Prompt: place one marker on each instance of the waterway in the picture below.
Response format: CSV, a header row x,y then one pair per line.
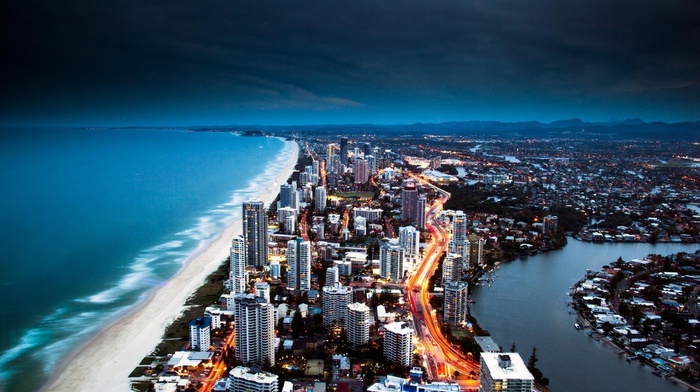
x,y
527,305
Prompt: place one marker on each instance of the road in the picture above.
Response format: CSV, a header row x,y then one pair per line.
x,y
435,343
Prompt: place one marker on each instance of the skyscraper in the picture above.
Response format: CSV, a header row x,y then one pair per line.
x,y
409,201
476,250
452,268
409,238
320,199
361,169
391,260
420,214
255,233
332,276
504,372
238,274
458,243
298,264
455,306
255,330
398,343
343,151
336,299
357,323
289,197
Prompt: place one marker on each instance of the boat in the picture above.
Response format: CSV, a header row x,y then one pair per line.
x,y
577,326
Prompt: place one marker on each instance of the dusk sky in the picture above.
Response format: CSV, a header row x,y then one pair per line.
x,y
177,62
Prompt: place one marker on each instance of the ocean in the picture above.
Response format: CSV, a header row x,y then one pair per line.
x,y
94,219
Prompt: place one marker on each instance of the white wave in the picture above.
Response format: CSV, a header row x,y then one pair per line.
x,y
30,340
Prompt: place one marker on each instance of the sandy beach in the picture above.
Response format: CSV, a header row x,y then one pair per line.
x,y
105,361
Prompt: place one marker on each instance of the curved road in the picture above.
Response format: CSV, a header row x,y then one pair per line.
x,y
417,286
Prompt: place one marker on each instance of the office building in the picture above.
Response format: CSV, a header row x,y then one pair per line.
x,y
298,265
357,324
504,372
336,299
456,295
391,260
253,379
255,233
398,343
255,330
200,334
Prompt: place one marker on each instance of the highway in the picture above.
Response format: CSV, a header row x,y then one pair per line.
x,y
435,344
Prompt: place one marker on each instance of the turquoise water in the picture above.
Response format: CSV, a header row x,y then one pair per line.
x,y
94,219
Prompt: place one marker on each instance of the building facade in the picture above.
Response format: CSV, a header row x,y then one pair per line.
x,y
298,265
255,233
255,330
200,334
238,274
336,299
398,343
391,260
357,324
455,305
409,201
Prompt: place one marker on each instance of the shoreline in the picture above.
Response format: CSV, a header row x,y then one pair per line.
x,y
105,361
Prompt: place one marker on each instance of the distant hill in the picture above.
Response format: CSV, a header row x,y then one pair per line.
x,y
613,130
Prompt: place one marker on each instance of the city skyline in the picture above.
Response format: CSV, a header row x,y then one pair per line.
x,y
179,63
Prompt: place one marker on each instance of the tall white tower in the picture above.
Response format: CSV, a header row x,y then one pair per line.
x,y
238,263
336,299
298,264
398,343
391,260
357,323
255,330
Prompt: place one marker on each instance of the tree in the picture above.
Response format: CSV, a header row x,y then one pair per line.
x,y
513,348
533,359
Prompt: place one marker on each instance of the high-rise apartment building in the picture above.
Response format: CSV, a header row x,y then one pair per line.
x,y
252,379
550,224
391,260
320,199
343,151
409,239
476,250
200,334
422,210
298,264
361,168
255,330
255,233
289,196
504,372
398,343
238,274
456,295
357,324
452,267
336,299
458,243
332,276
409,201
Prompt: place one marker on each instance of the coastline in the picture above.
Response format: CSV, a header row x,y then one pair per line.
x,y
105,361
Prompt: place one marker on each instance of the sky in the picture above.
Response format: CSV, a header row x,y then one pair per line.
x,y
217,62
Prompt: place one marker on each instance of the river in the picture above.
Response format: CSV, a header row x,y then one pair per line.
x,y
527,305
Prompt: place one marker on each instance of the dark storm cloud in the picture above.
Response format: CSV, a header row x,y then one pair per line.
x,y
360,57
